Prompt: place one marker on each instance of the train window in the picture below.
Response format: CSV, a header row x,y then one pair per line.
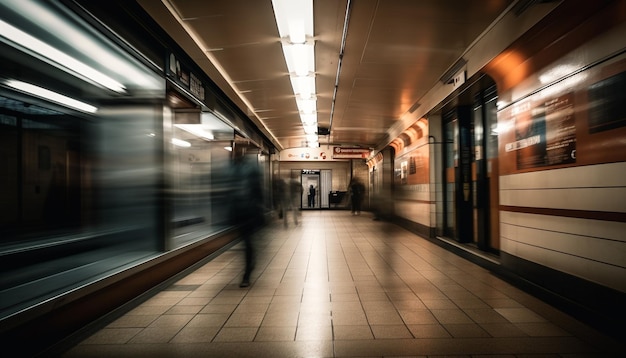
x,y
606,99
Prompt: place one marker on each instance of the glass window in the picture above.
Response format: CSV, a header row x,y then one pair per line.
x,y
80,144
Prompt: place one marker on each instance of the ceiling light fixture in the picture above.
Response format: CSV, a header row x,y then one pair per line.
x,y
51,96
20,39
294,19
181,143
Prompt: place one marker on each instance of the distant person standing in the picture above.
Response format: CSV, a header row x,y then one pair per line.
x,y
311,196
357,190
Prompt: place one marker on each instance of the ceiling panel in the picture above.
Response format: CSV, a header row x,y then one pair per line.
x,y
395,52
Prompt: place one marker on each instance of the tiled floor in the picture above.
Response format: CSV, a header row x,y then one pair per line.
x,y
339,285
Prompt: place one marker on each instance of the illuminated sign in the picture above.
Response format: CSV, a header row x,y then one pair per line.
x,y
350,153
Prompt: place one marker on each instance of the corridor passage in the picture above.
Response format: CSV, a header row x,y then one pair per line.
x,y
339,285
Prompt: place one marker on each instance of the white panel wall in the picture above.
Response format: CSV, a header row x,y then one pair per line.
x,y
591,249
414,204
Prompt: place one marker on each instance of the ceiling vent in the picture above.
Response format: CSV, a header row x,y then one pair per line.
x,y
323,131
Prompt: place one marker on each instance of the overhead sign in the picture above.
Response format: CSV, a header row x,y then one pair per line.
x,y
304,154
350,153
184,77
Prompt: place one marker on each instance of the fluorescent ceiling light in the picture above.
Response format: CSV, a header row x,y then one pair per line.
x,y
290,14
197,130
308,119
310,129
52,96
304,86
297,31
306,105
181,143
20,39
294,19
300,59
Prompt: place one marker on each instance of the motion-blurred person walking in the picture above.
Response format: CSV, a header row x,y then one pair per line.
x,y
246,209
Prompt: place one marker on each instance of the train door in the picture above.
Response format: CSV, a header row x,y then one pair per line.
x,y
485,172
471,173
457,174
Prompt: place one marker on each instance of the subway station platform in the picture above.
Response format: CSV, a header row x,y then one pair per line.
x,y
339,285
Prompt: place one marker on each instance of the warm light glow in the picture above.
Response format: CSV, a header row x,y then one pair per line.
x,y
181,143
197,130
297,32
308,119
303,86
50,96
312,129
20,39
307,106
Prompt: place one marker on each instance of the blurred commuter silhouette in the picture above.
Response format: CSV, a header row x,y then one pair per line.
x,y
246,210
294,189
280,197
357,190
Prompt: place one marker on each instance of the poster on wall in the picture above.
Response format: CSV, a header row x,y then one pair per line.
x,y
545,132
413,168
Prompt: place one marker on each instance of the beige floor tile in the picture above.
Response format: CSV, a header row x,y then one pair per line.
x,y
194,301
155,335
352,332
519,315
184,309
439,304
503,330
414,304
195,335
391,332
349,318
278,318
314,333
384,317
112,336
485,316
245,320
219,308
451,316
418,316
466,330
173,321
275,334
239,334
208,320
428,331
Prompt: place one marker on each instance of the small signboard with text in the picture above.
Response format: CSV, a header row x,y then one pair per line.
x,y
350,153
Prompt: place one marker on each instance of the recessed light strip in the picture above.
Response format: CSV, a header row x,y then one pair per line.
x,y
49,95
294,19
20,39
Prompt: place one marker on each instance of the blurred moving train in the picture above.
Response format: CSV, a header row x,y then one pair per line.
x,y
114,147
